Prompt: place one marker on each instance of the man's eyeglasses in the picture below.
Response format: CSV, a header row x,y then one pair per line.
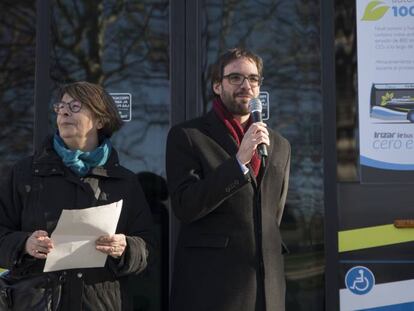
x,y
238,79
74,106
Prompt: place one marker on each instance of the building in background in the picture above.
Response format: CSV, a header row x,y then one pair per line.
x,y
159,53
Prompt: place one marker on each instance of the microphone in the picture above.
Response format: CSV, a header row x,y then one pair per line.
x,y
255,108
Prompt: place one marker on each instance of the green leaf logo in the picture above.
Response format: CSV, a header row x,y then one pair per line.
x,y
374,12
386,98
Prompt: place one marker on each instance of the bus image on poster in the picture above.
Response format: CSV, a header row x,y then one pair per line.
x,y
392,102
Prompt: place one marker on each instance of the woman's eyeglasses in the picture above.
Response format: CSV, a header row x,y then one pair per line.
x,y
74,106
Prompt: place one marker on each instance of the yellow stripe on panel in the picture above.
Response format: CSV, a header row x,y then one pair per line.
x,y
355,239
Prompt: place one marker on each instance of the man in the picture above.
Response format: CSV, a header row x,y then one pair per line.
x,y
228,255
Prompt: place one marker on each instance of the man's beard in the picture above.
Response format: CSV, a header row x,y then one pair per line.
x,y
234,107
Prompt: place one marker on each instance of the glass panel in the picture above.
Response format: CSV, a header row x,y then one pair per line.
x,y
286,35
346,79
17,69
123,45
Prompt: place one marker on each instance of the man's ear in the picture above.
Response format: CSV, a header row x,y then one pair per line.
x,y
217,88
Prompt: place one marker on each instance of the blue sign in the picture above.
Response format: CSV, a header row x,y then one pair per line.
x,y
359,280
123,102
264,98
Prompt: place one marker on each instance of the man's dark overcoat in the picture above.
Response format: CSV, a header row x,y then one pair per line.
x,y
229,250
32,198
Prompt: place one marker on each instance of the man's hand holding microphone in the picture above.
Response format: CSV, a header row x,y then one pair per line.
x,y
256,137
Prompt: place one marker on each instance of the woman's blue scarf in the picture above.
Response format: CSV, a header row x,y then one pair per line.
x,y
79,161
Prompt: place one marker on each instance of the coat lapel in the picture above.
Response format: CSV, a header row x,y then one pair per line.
x,y
218,131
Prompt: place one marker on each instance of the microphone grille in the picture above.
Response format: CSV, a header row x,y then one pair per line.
x,y
255,104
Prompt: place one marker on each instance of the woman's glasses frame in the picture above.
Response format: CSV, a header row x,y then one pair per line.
x,y
74,106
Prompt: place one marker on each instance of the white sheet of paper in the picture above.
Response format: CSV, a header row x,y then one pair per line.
x,y
75,235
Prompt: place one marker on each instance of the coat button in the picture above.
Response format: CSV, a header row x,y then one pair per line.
x,y
79,275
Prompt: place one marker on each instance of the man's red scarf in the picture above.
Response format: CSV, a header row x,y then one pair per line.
x,y
236,130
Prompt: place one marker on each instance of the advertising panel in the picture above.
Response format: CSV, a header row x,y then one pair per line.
x,y
375,243
385,34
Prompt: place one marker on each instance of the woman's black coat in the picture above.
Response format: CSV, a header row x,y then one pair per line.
x,y
32,198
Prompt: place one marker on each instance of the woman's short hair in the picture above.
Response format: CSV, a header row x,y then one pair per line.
x,y
98,101
227,57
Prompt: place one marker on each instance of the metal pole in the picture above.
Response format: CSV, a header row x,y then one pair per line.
x,y
329,154
178,54
42,80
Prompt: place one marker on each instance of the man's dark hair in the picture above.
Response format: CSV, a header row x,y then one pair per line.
x,y
226,58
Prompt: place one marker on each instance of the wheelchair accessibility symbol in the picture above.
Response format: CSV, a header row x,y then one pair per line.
x,y
359,280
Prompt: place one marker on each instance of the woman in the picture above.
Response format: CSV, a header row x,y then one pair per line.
x,y
76,168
